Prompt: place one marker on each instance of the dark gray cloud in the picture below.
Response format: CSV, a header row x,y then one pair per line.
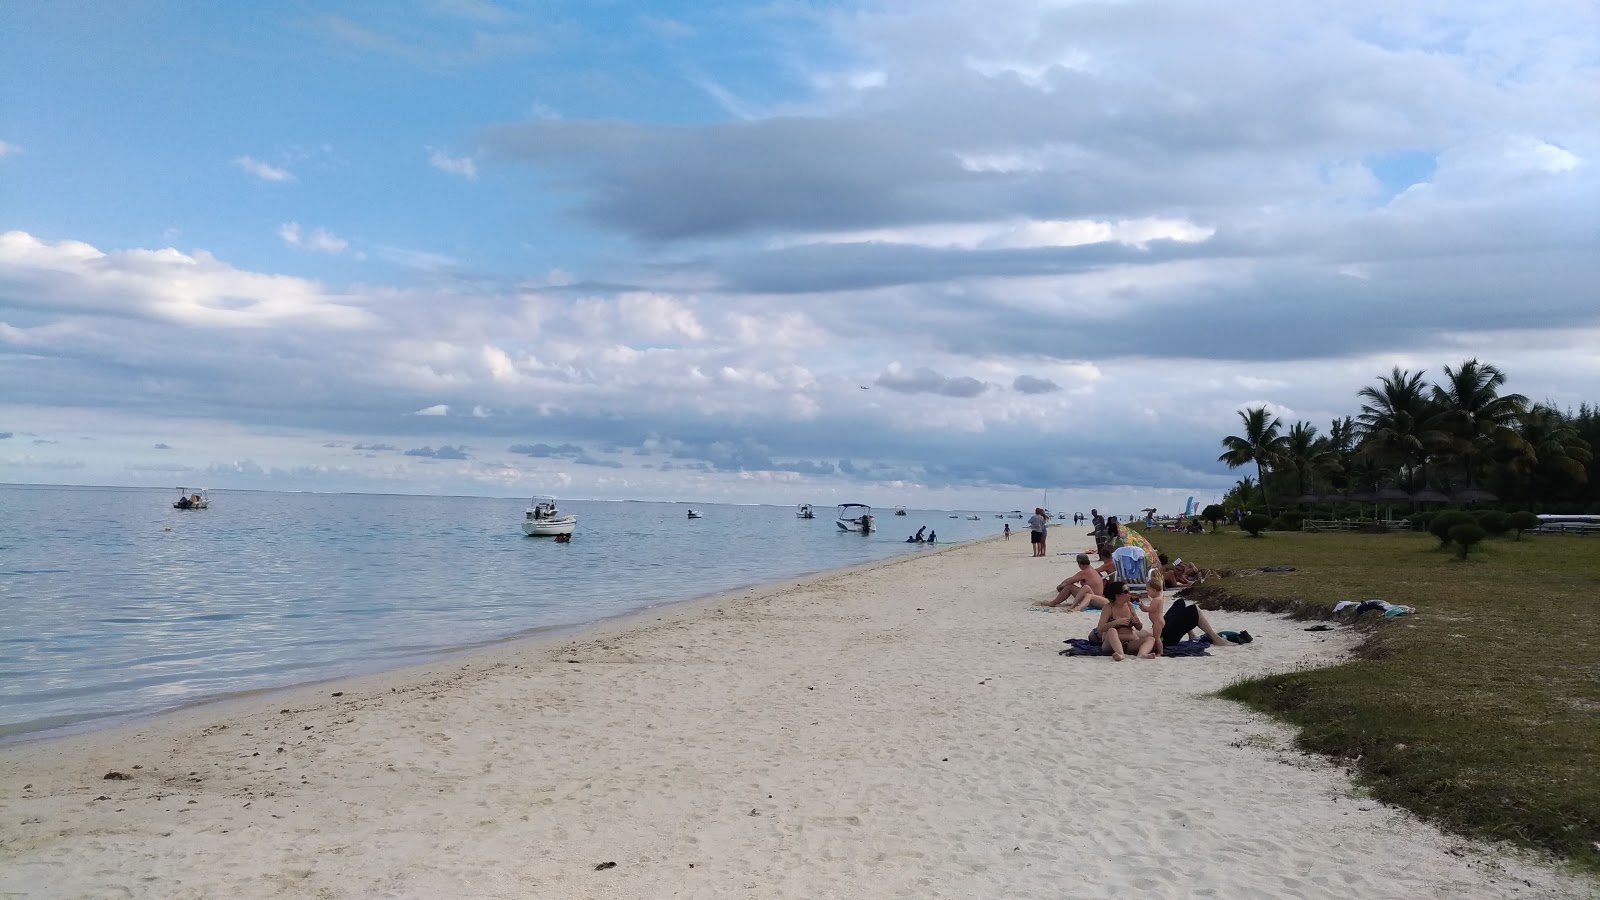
x,y
5,435
372,447
163,446
1027,384
444,452
572,452
927,381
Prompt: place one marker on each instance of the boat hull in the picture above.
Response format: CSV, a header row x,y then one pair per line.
x,y
550,527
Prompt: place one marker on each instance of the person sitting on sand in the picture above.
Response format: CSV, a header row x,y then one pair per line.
x,y
1079,587
1169,626
1120,629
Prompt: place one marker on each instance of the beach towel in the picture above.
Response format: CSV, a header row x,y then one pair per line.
x,y
1081,647
1389,610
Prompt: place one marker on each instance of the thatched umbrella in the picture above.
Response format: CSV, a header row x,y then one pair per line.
x,y
1389,496
1473,495
1360,497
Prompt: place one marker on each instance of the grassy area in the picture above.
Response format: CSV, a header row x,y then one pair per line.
x,y
1481,712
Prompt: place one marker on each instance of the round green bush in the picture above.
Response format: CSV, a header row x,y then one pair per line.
x,y
1214,514
1289,520
1465,535
1255,523
1522,521
1495,522
1440,524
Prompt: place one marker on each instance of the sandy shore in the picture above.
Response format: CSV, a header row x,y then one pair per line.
x,y
902,730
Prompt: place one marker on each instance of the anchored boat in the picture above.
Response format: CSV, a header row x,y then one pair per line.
x,y
543,519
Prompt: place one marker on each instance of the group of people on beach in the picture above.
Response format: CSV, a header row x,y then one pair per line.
x,y
1120,630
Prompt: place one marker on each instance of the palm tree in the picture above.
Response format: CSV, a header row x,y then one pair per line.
x,y
1261,444
1395,422
1474,415
1302,452
1550,448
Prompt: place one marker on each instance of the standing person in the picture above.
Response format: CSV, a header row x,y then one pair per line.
x,y
1036,529
1008,531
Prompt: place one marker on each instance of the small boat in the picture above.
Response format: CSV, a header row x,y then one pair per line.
x,y
694,515
974,518
188,500
805,511
952,517
899,510
855,517
543,519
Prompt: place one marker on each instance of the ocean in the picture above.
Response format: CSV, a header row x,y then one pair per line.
x,y
114,605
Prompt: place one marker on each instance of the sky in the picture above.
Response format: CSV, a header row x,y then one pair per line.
x,y
954,255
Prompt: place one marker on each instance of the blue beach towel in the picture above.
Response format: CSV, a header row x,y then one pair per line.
x,y
1081,647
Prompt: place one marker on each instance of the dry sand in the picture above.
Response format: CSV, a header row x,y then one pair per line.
x,y
902,730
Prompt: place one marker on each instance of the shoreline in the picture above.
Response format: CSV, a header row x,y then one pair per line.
x,y
900,728
119,721
534,639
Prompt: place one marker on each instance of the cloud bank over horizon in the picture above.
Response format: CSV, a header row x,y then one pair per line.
x,y
882,252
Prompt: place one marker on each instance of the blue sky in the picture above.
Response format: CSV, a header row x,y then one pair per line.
x,y
770,252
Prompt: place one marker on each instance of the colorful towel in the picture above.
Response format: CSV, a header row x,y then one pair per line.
x,y
1081,647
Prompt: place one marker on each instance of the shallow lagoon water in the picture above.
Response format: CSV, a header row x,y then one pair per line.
x,y
107,614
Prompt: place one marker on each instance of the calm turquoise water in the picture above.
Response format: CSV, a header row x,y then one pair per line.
x,y
106,614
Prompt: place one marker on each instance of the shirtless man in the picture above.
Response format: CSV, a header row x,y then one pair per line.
x,y
1079,587
1120,628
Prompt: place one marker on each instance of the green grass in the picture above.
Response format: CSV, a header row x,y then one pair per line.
x,y
1481,712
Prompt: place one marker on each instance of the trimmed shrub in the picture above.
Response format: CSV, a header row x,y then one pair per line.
x,y
1289,520
1465,535
1439,526
1495,522
1214,514
1522,521
1255,523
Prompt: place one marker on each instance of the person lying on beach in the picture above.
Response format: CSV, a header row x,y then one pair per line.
x,y
1178,573
1080,584
1120,629
1169,626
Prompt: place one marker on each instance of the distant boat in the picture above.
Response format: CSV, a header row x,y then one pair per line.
x,y
186,500
543,519
805,511
856,517
975,518
899,510
694,515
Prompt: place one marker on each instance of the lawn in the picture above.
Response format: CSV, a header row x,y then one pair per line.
x,y
1481,712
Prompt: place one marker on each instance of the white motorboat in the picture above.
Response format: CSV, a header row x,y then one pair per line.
x,y
694,515
188,499
855,517
543,519
805,511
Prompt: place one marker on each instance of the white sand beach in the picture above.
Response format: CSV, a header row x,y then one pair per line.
x,y
902,730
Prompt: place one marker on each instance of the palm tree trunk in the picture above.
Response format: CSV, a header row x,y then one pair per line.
x,y
1261,479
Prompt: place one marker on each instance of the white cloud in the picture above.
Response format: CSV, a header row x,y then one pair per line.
x,y
191,289
1021,234
262,170
441,409
8,149
321,240
463,166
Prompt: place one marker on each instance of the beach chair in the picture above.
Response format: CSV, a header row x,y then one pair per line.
x,y
1132,566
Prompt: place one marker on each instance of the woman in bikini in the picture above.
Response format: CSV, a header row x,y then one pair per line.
x,y
1120,629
